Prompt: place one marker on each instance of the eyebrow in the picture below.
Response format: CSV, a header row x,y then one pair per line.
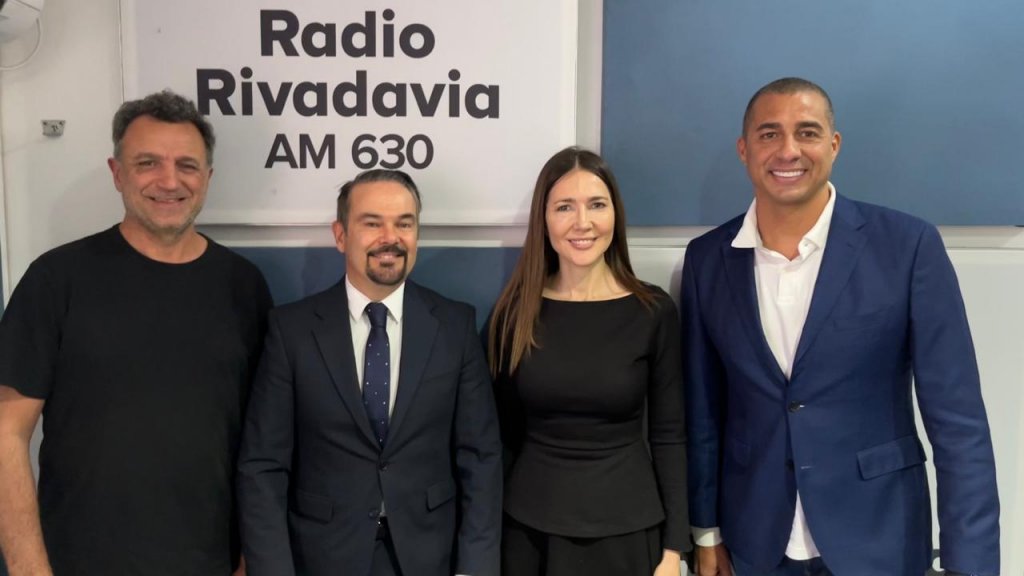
x,y
768,126
154,156
590,199
778,126
375,216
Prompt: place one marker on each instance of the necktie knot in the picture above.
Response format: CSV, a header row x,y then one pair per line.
x,y
378,314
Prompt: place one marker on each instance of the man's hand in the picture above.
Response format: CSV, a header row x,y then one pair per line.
x,y
712,561
671,564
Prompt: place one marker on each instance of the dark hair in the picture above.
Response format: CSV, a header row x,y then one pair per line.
x,y
375,175
165,106
513,323
791,85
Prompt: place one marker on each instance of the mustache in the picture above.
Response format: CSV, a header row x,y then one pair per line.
x,y
390,248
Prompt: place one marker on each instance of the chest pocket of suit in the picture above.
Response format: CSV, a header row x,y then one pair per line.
x,y
443,372
889,457
853,322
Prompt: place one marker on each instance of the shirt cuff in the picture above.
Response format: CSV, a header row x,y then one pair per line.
x,y
706,536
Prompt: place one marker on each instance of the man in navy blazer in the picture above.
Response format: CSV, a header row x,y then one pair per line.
x,y
349,466
806,322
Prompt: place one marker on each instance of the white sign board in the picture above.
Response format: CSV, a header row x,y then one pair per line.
x,y
470,98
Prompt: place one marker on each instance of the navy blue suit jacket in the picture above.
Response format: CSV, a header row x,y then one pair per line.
x,y
886,312
312,476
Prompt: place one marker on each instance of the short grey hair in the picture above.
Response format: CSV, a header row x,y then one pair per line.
x,y
165,106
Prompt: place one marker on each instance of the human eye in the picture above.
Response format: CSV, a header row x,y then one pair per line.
x,y
563,208
809,133
767,135
407,225
145,163
598,204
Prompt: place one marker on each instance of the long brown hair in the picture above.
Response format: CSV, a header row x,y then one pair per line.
x,y
513,324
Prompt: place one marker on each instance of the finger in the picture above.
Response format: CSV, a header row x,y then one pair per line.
x,y
724,567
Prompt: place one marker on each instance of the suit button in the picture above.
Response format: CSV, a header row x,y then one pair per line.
x,y
374,513
795,406
383,466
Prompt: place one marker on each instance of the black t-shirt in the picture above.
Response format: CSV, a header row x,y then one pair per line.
x,y
145,368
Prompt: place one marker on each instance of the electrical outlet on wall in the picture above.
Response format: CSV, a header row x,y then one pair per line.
x,y
53,128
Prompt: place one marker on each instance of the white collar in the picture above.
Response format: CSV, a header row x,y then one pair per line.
x,y
749,236
357,301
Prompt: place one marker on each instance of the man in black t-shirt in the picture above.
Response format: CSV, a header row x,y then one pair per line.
x,y
136,345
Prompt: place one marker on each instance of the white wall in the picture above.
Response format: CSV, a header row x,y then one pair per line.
x,y
56,190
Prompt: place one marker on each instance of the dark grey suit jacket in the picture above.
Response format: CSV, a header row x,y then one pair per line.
x,y
312,476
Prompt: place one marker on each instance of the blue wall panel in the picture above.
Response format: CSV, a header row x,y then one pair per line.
x,y
473,275
927,97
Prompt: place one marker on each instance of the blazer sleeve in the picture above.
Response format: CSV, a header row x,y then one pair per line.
x,y
667,426
478,462
265,462
704,383
949,395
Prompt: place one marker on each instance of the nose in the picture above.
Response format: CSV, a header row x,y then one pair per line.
x,y
790,148
582,218
168,177
388,234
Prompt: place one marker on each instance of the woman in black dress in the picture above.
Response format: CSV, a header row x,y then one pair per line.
x,y
580,349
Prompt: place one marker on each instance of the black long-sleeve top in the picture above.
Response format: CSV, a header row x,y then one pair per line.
x,y
572,419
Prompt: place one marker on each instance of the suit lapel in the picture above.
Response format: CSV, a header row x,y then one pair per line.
x,y
334,338
419,328
845,241
739,267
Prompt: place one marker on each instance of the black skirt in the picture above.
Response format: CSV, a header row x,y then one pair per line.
x,y
529,552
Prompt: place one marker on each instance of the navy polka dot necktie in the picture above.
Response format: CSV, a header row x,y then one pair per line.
x,y
377,371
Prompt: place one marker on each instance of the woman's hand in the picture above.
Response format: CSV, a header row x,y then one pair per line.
x,y
671,564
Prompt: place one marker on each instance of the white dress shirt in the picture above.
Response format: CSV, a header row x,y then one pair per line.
x,y
359,321
784,290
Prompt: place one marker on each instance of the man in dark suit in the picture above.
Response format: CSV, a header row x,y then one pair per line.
x,y
806,322
371,443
